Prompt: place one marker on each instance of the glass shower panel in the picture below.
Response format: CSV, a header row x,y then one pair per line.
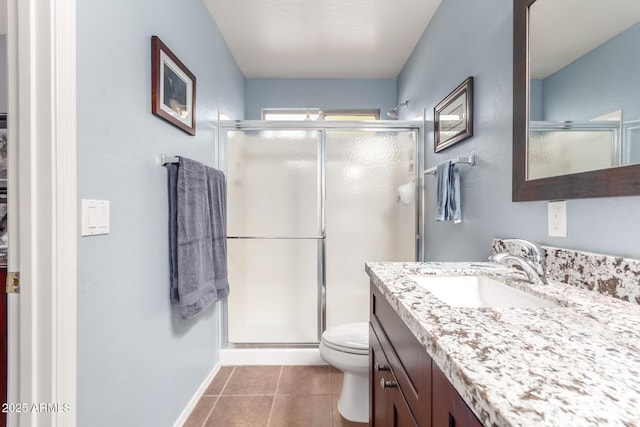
x,y
273,224
370,213
272,183
274,296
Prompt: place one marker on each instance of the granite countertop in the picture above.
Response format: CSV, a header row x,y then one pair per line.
x,y
573,365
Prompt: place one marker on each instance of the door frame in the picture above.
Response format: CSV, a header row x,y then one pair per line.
x,y
41,50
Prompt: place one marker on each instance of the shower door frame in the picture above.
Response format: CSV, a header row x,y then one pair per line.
x,y
322,127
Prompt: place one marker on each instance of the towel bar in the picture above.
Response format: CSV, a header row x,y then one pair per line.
x,y
164,159
468,160
277,238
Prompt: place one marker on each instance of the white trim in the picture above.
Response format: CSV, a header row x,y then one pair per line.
x,y
196,397
42,64
13,301
65,256
270,356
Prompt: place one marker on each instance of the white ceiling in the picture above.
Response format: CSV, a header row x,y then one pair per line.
x,y
321,39
563,31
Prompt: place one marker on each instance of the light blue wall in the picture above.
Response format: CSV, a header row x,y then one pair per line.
x,y
603,80
3,73
481,46
326,94
139,363
535,99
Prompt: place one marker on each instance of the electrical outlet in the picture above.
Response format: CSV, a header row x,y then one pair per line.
x,y
557,218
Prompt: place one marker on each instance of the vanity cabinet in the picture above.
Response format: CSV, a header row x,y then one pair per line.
x,y
388,405
402,361
406,388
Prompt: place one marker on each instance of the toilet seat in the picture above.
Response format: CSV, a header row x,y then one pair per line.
x,y
350,338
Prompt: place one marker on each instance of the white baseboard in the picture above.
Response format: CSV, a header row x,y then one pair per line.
x,y
196,397
270,356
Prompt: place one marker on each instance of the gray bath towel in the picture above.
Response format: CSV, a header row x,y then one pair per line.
x,y
172,169
448,193
197,236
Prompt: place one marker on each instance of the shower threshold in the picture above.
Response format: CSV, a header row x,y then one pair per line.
x,y
270,354
272,345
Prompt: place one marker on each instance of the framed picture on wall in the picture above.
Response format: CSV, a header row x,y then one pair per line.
x,y
173,88
453,117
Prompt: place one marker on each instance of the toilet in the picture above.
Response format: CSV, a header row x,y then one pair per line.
x,y
346,347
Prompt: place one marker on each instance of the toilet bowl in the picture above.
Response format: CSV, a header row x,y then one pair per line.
x,y
346,347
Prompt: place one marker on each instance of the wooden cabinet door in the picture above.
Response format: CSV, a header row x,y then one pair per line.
x,y
388,407
409,361
448,409
399,413
3,341
378,371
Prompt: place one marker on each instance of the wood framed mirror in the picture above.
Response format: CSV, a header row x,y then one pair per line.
x,y
619,177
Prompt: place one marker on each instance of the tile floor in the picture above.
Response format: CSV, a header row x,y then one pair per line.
x,y
271,396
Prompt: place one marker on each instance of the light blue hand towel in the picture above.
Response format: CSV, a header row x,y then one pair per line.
x,y
448,192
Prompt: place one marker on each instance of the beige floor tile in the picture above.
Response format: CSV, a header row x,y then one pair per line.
x,y
218,382
240,411
301,411
305,380
200,412
252,380
338,420
336,380
307,397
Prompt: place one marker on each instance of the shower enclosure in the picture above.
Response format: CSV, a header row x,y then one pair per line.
x,y
307,204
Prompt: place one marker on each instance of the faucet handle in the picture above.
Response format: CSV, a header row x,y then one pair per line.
x,y
534,270
534,251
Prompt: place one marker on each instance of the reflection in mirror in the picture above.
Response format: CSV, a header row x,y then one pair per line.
x,y
584,109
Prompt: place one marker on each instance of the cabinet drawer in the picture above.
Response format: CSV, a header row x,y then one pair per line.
x,y
378,408
388,406
409,361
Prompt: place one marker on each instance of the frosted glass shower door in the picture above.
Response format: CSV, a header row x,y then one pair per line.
x,y
275,236
370,213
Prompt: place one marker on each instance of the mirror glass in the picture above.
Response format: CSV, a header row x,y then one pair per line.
x,y
584,92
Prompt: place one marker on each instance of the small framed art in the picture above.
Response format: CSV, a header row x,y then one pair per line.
x,y
173,88
453,117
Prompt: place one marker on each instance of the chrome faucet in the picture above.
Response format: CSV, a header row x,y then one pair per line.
x,y
533,263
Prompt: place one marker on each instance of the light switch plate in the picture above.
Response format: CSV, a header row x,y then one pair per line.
x,y
95,217
557,218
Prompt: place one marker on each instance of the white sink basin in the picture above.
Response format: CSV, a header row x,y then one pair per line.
x,y
478,291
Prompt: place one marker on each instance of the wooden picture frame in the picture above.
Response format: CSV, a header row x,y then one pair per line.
x,y
173,88
453,117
